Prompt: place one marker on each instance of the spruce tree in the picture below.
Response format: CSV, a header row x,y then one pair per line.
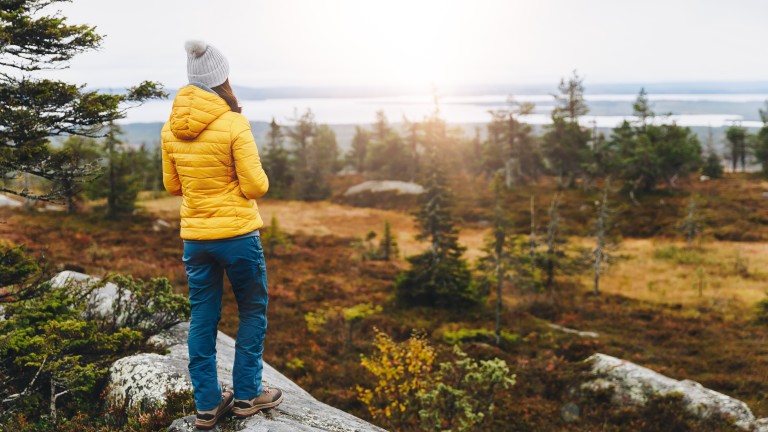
x,y
761,141
121,181
413,144
523,157
315,158
301,135
359,150
761,149
642,108
737,137
713,166
323,161
388,155
388,245
32,40
643,154
272,236
277,163
78,156
439,276
570,104
565,143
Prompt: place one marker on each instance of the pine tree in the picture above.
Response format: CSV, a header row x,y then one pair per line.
x,y
570,101
412,142
713,166
510,146
523,158
388,156
440,276
33,109
494,150
642,108
761,141
323,161
565,143
79,161
388,245
642,155
277,163
272,236
359,150
737,138
121,181
301,135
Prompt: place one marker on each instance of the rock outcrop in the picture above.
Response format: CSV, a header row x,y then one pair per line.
x,y
585,334
5,201
146,377
375,186
632,384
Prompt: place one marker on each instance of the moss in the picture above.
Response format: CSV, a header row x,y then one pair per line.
x,y
477,335
678,255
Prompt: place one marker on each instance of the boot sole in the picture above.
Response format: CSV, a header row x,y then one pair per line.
x,y
210,424
247,412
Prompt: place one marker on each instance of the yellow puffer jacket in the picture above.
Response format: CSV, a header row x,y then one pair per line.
x,y
210,159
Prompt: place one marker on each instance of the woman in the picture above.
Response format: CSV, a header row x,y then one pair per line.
x,y
210,159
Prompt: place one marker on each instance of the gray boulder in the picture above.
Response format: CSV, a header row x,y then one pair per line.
x,y
375,186
145,378
632,384
102,298
5,201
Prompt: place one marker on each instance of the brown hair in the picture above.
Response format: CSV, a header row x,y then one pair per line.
x,y
225,91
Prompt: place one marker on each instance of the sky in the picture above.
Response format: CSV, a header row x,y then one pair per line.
x,y
423,42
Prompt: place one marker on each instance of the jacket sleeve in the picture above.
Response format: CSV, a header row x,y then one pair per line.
x,y
170,175
253,180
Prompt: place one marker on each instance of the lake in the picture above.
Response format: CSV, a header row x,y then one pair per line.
x,y
607,110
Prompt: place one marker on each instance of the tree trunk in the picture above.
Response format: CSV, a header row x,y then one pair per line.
x,y
600,249
71,205
532,242
499,283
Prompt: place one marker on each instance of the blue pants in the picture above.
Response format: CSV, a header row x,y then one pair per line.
x,y
242,258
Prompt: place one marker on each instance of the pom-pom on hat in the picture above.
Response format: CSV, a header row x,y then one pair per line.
x,y
205,64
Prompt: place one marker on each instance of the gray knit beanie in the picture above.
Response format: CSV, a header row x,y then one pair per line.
x,y
205,64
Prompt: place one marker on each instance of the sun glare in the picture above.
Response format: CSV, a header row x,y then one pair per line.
x,y
415,42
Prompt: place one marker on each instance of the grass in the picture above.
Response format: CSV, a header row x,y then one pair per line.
x,y
658,270
724,275
325,218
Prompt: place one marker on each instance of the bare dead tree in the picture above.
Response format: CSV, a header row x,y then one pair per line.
x,y
599,253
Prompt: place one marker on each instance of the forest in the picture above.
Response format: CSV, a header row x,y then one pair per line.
x,y
437,311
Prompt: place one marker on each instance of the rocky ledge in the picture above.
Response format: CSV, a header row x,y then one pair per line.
x,y
631,384
145,378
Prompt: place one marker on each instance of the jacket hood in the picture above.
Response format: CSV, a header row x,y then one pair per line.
x,y
193,110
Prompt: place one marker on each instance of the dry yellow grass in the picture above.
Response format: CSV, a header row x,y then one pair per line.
x,y
716,274
642,275
324,218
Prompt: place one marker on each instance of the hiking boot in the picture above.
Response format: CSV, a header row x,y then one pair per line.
x,y
269,398
207,419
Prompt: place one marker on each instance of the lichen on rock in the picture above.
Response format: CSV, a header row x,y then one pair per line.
x,y
631,384
145,378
